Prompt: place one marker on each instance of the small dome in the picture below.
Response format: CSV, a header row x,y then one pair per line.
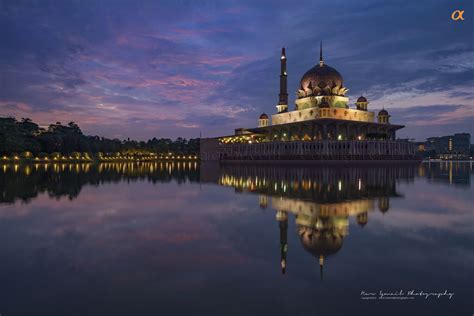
x,y
362,219
263,201
384,208
362,99
264,116
383,112
384,204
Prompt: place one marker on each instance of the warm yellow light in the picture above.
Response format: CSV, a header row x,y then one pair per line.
x,y
339,137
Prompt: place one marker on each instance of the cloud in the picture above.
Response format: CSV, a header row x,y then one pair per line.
x,y
217,64
11,108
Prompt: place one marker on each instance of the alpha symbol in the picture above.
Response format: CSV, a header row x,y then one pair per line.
x,y
457,15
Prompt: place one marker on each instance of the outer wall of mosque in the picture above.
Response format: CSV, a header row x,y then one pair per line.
x,y
322,126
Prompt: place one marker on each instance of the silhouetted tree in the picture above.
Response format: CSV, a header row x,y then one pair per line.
x,y
27,136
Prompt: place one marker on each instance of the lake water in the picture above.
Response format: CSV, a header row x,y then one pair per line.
x,y
191,239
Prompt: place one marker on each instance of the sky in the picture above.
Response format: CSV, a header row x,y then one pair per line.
x,y
167,69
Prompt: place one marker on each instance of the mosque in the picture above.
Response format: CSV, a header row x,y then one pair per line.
x,y
322,125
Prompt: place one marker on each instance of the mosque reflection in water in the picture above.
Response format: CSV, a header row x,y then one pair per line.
x,y
323,199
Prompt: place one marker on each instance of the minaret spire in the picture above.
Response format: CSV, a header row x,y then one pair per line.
x,y
321,61
283,96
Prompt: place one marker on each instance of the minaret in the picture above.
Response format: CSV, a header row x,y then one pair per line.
x,y
282,218
283,96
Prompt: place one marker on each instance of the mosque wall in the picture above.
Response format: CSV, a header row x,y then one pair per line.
x,y
312,209
315,101
315,113
362,150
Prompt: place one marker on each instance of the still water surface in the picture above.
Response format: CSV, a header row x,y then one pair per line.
x,y
183,238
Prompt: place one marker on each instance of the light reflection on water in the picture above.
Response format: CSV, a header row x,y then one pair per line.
x,y
179,237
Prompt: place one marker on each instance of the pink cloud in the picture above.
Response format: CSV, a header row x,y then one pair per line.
x,y
12,107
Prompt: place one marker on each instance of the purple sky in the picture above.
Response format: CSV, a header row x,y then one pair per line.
x,y
143,69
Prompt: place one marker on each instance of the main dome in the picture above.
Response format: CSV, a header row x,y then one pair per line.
x,y
321,76
322,80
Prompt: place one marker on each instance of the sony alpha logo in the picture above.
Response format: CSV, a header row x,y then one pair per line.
x,y
457,15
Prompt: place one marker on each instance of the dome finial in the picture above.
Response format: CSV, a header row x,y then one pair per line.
x,y
321,62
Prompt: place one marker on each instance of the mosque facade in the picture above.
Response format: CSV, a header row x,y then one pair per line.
x,y
322,125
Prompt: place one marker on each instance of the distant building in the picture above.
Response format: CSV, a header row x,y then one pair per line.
x,y
455,146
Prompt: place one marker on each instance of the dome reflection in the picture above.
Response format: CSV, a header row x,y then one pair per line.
x,y
322,200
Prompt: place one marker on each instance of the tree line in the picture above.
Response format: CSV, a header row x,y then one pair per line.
x,y
67,182
26,136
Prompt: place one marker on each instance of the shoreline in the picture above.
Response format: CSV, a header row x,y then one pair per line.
x,y
42,161
230,162
317,162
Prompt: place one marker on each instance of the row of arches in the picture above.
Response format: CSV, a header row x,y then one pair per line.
x,y
307,132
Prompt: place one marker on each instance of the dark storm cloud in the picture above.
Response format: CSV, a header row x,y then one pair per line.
x,y
181,67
